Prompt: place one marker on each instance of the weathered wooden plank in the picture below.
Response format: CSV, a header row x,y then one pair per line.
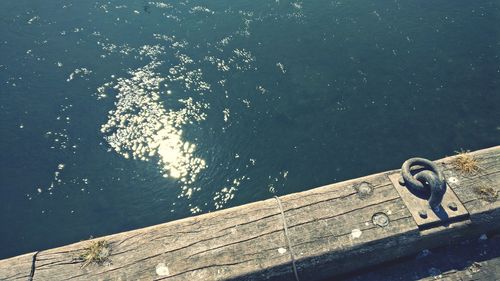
x,y
18,268
330,229
477,271
473,259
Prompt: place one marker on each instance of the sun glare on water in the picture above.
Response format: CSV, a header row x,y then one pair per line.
x,y
140,127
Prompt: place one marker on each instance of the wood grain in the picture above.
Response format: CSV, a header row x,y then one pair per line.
x,y
331,233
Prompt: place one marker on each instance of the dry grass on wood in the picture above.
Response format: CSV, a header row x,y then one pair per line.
x,y
465,163
97,252
486,193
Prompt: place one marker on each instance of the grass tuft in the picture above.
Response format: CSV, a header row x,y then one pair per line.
x,y
486,193
465,162
97,252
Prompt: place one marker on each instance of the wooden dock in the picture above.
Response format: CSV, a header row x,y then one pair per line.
x,y
326,232
473,259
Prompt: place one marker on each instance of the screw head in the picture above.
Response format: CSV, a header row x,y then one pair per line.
x,y
453,206
364,189
380,219
422,214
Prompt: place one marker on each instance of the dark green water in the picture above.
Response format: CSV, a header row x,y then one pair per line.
x,y
116,115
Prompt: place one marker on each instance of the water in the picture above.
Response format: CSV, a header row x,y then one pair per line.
x,y
121,114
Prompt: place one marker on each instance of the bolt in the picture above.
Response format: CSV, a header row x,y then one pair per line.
x,y
364,190
422,214
380,219
453,206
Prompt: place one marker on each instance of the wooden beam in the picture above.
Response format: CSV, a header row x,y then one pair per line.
x,y
475,259
18,268
477,271
330,230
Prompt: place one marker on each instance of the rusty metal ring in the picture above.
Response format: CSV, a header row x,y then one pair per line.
x,y
430,179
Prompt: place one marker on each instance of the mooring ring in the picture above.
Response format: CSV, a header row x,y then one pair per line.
x,y
431,176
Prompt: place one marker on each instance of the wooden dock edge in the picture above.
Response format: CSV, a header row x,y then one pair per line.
x,y
330,230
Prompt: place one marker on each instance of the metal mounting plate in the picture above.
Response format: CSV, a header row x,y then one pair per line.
x,y
419,206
